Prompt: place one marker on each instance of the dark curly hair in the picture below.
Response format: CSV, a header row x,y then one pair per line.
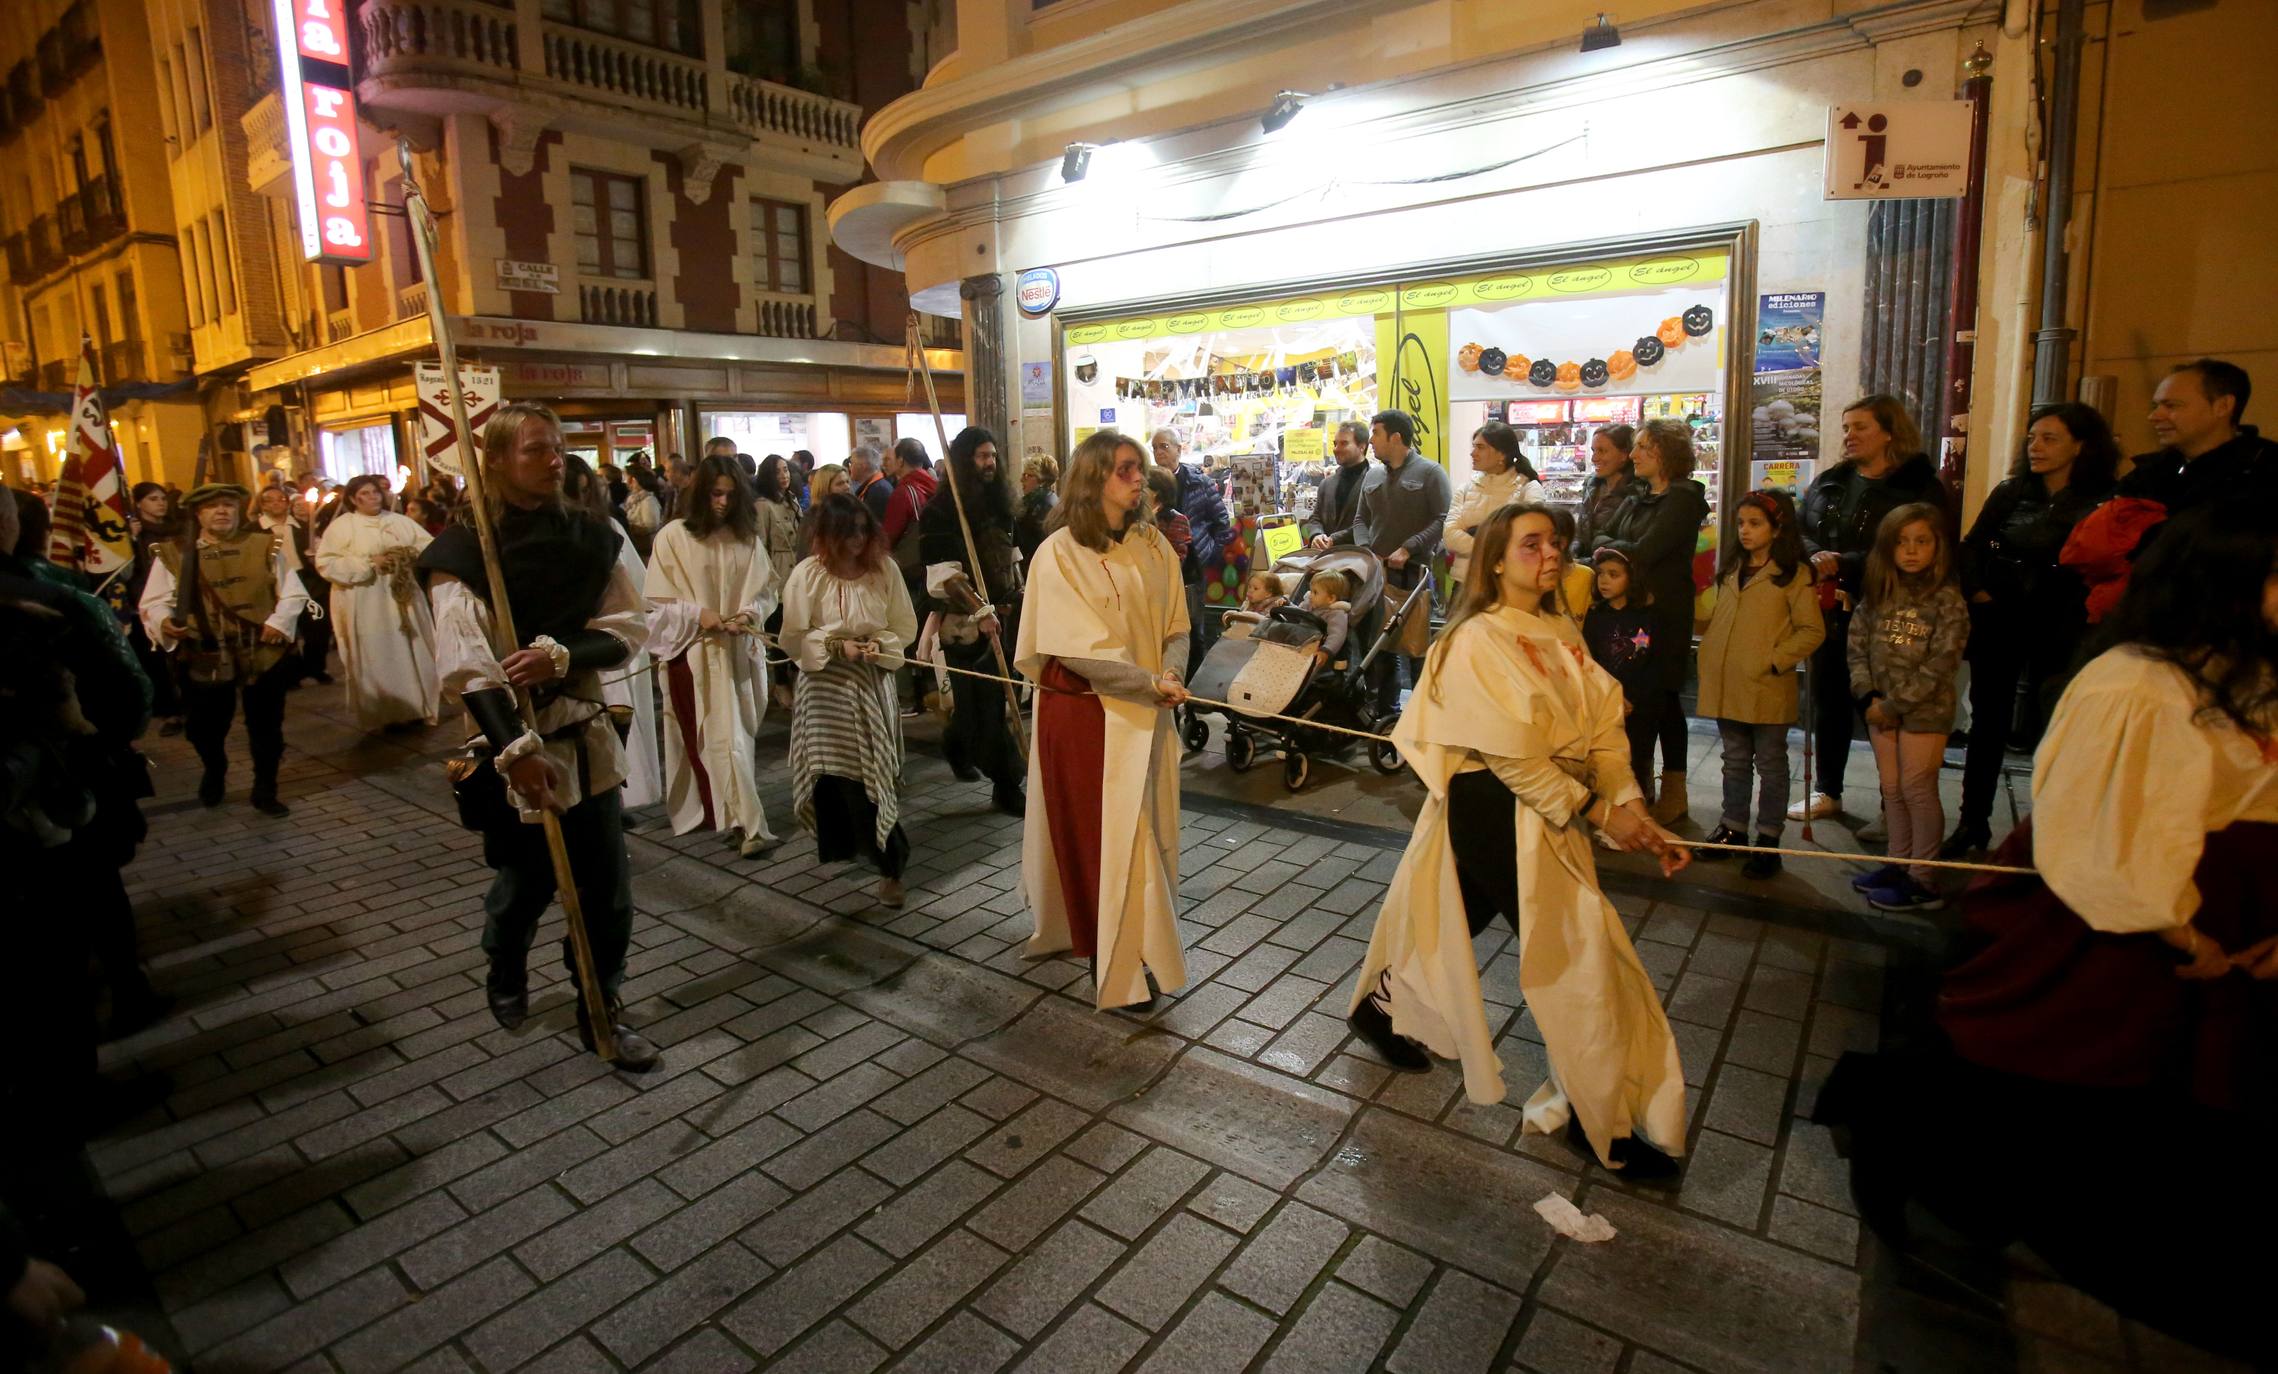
x,y
2195,599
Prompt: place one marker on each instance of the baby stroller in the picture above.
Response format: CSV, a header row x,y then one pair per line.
x,y
1263,664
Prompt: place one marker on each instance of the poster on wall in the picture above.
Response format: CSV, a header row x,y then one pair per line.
x,y
1035,385
874,429
1787,400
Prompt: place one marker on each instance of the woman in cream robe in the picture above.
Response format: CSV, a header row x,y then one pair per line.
x,y
386,631
630,685
1508,698
1104,635
711,586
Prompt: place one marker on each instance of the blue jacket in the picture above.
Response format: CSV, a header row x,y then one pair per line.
x,y
1205,511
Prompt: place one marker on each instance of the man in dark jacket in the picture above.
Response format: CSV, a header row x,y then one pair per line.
x,y
1339,500
1402,507
1212,530
979,738
1882,469
865,471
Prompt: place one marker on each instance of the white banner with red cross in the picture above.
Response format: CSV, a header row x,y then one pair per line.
x,y
440,446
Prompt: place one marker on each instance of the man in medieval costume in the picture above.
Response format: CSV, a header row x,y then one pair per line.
x,y
578,616
979,738
225,599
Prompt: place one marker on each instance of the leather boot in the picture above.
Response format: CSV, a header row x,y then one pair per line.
x,y
1669,801
1373,1024
634,1052
509,997
212,785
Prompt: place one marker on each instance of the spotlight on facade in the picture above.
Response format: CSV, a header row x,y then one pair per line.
x,y
1600,36
1077,161
1285,106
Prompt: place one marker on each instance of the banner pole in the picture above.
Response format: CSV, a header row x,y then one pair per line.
x,y
504,640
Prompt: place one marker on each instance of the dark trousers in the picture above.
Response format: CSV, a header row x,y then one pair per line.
x,y
2003,656
1384,673
208,709
1481,812
316,631
1832,726
980,731
1644,726
165,697
846,827
594,832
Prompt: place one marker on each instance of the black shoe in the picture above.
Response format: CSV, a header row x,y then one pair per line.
x,y
510,1007
964,772
1968,838
1010,800
1762,866
1723,834
267,804
212,786
1374,1025
170,727
1634,1161
634,1052
136,1010
322,679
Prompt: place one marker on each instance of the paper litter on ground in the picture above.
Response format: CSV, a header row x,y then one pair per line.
x,y
1568,1221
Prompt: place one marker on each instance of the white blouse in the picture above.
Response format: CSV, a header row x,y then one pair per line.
x,y
818,608
2128,783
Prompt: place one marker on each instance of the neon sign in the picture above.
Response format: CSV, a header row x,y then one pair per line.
x,y
320,131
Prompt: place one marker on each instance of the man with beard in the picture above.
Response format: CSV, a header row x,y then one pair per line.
x,y
979,739
227,599
578,614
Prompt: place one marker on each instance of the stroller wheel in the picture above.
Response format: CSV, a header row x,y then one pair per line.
x,y
1197,732
1294,770
1384,757
1241,750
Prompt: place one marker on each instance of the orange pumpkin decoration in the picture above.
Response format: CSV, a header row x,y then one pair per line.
x,y
1671,333
1515,367
1467,357
1569,376
1621,364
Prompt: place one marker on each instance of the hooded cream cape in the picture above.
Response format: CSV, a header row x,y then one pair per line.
x,y
725,575
1512,687
1118,606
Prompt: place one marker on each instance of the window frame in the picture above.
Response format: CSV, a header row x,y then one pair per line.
x,y
606,264
765,212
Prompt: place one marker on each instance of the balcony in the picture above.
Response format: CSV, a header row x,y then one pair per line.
x,y
99,206
786,317
123,362
71,225
19,259
613,301
338,325
443,56
41,246
24,98
56,376
268,163
411,301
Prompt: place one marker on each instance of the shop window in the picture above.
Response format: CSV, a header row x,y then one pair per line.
x,y
348,453
201,102
829,435
612,233
226,277
782,263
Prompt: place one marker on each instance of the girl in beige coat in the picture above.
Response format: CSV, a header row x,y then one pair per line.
x,y
1765,622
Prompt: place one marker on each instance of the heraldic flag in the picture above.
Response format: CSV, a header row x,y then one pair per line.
x,y
90,518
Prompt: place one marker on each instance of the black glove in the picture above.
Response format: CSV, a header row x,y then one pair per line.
x,y
492,711
594,649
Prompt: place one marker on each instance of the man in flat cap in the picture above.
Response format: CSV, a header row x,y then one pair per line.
x,y
224,598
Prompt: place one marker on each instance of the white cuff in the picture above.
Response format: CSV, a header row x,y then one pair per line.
x,y
520,749
555,650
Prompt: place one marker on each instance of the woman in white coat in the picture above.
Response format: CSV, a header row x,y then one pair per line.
x,y
382,620
630,684
1103,633
711,587
1501,476
1518,738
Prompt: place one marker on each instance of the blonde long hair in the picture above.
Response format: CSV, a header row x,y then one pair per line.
x,y
498,439
1083,490
1483,590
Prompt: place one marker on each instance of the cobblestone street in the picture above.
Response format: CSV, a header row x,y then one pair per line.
x,y
885,1139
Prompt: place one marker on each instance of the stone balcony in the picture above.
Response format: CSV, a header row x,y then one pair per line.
x,y
528,74
268,163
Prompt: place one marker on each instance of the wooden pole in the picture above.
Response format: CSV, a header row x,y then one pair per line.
x,y
504,641
924,370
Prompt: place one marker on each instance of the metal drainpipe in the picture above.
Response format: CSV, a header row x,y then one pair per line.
x,y
2052,343
1961,342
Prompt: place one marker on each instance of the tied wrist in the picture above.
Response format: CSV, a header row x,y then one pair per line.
x,y
520,749
554,650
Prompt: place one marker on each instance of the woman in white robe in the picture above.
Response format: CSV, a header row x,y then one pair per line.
x,y
630,685
1518,737
711,587
1103,634
848,623
380,616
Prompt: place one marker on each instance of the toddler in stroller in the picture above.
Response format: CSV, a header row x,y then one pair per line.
x,y
1291,661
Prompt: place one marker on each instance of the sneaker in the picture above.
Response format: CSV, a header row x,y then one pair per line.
x,y
1723,834
1876,831
1818,808
1886,876
1905,895
1762,866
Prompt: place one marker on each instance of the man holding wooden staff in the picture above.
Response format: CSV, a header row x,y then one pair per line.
x,y
577,614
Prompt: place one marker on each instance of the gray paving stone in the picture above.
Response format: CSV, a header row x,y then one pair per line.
x,y
826,1152
1810,1168
1162,1274
920,1213
1151,1187
1281,1261
946,1000
836,1349
1465,1202
1217,1334
310,1326
1460,1329
529,1328
919,1292
1036,1290
1558,1344
1234,1202
519,1170
1026,1138
812,1217
1076,1054
905,1158
707,1167
668,1309
594,1229
1726,1178
708,1351
1829,1235
438,1316
352,1252
964,1345
1748,1104
204,1324
1709,1295
999,1098
1375,1265
433,1262
246,1255
710,1219
1340,1330
1092,1341
1260,1124
1022,1213
819,1106
921,1095
1764,1042
1703,999
804,1294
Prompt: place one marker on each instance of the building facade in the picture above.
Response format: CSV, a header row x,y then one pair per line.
x,y
630,201
92,242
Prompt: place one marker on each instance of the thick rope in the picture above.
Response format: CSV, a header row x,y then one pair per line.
x,y
1828,855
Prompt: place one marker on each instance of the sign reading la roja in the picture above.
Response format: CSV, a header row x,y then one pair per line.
x,y
320,131
1898,150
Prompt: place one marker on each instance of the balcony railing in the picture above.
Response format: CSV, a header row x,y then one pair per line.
x,y
19,259
762,107
627,72
268,166
123,362
42,248
71,225
55,376
99,205
426,35
411,301
786,317
617,302
337,325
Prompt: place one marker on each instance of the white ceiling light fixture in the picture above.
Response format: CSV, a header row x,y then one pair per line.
x,y
1600,36
1077,161
1285,106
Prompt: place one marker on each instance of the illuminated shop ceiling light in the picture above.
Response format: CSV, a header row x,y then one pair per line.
x,y
1285,106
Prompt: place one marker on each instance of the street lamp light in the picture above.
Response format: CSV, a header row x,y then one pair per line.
x,y
1076,162
1285,106
1600,36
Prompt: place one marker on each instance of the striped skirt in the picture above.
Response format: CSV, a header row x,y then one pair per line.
x,y
844,724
